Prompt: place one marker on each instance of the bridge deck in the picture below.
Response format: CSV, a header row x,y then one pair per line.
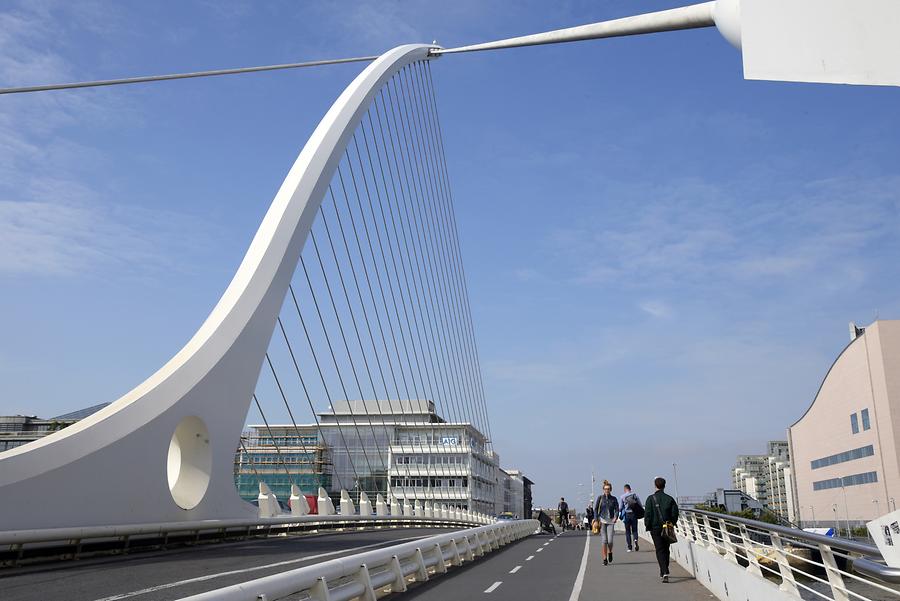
x,y
553,572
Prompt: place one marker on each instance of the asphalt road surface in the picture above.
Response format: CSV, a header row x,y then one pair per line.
x,y
173,574
561,568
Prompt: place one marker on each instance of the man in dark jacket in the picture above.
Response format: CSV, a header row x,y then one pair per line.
x,y
563,512
660,508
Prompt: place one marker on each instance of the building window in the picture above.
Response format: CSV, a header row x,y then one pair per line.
x,y
865,419
854,423
854,480
850,455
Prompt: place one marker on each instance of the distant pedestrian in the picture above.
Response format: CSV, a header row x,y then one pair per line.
x,y
607,511
589,515
660,519
563,513
631,512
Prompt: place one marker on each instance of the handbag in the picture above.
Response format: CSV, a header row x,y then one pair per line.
x,y
668,528
595,526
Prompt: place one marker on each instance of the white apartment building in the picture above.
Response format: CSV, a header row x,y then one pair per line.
x,y
766,478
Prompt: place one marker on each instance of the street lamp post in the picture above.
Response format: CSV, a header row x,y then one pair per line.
x,y
812,510
837,525
675,472
846,510
893,504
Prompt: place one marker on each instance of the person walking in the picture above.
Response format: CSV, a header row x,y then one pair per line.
x,y
589,516
662,510
563,511
607,511
632,511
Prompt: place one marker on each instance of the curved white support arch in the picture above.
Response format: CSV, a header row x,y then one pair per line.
x,y
115,467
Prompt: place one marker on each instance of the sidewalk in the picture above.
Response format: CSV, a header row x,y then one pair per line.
x,y
635,577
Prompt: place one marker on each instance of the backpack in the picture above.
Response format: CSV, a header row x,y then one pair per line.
x,y
637,510
564,507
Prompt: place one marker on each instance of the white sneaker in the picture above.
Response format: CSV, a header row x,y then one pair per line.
x,y
628,550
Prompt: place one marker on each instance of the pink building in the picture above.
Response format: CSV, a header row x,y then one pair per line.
x,y
844,449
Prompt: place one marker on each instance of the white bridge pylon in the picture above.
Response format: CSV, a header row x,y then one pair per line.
x,y
164,452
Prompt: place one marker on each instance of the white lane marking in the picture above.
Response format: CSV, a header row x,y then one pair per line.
x,y
529,558
160,587
493,587
539,550
579,580
515,569
545,544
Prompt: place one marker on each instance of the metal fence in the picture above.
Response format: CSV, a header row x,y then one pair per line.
x,y
367,575
804,565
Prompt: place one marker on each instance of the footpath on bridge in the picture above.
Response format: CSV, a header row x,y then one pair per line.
x,y
548,568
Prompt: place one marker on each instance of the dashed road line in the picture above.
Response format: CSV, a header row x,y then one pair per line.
x,y
529,558
545,544
515,569
493,587
539,550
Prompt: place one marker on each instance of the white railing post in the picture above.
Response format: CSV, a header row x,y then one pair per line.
x,y
381,508
362,576
399,583
730,554
429,509
299,504
752,559
835,579
421,568
347,506
324,502
319,591
455,558
440,567
788,583
365,505
267,501
710,535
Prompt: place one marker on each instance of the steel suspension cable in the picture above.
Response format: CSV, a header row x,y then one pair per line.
x,y
441,260
287,406
458,252
366,320
272,436
303,383
423,230
408,191
336,366
434,146
322,375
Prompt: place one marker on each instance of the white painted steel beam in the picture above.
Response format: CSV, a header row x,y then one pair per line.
x,y
164,451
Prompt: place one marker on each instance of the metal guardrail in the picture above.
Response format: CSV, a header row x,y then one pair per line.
x,y
796,558
120,538
391,568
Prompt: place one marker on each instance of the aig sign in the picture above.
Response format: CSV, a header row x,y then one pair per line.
x,y
451,441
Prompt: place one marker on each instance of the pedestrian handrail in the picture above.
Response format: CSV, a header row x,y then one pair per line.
x,y
14,544
363,575
804,564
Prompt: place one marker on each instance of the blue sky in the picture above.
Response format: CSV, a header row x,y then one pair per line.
x,y
662,257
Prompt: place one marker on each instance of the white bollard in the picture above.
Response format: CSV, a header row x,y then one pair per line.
x,y
429,509
381,508
365,505
419,510
268,502
444,513
407,508
395,506
326,506
347,506
299,504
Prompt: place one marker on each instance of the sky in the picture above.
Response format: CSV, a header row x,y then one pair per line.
x,y
662,257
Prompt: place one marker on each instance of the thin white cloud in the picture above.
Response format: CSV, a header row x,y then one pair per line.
x,y
655,308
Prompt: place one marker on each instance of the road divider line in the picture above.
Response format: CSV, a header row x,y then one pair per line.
x,y
579,580
493,587
515,569
539,550
545,544
529,558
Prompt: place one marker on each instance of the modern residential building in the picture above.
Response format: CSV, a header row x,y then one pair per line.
x,y
845,447
399,448
517,493
765,478
16,430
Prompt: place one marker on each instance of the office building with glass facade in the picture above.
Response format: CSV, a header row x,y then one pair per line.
x,y
16,430
399,448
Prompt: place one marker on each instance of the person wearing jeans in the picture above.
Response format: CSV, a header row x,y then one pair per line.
x,y
606,510
660,508
629,500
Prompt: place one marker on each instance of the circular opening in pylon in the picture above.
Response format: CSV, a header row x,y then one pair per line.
x,y
190,462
